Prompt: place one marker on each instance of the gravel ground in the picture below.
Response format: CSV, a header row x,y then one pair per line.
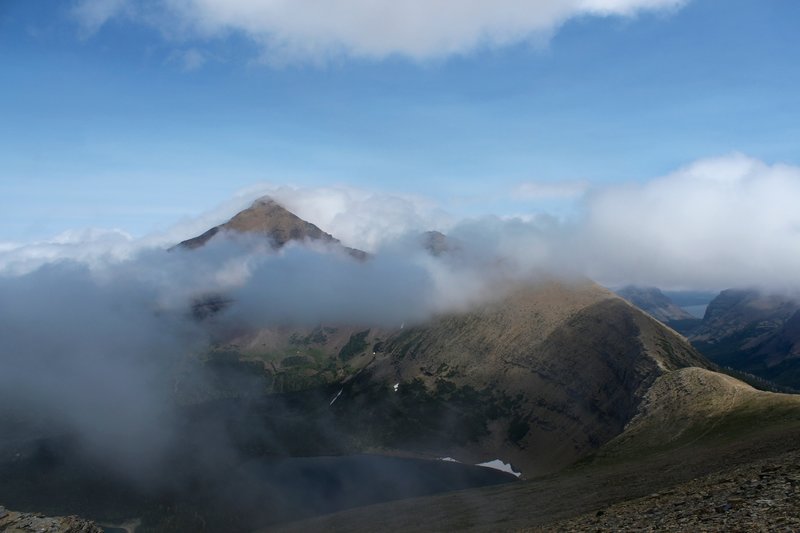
x,y
13,522
762,496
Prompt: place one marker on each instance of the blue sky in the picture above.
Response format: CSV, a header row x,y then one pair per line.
x,y
128,125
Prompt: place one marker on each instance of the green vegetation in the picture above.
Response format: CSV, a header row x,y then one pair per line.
x,y
356,345
420,417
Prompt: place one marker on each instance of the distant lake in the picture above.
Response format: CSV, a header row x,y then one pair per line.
x,y
307,486
696,310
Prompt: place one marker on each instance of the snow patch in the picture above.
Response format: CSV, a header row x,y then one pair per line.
x,y
336,397
497,464
449,459
396,386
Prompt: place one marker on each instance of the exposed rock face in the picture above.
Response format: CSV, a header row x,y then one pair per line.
x,y
14,522
268,218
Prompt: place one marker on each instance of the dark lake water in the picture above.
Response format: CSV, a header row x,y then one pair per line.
x,y
318,485
252,494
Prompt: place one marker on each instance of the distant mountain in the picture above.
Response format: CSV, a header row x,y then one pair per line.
x,y
753,332
277,225
735,311
660,306
743,330
269,219
437,243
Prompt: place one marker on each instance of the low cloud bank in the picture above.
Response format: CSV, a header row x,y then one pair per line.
x,y
97,347
716,223
725,222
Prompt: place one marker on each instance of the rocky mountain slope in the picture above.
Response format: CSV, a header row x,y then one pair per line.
x,y
760,496
745,331
539,378
753,332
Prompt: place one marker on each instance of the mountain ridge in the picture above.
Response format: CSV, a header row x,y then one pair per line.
x,y
542,374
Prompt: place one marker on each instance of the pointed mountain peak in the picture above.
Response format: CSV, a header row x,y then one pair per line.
x,y
268,218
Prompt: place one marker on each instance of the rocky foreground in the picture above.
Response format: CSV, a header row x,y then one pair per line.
x,y
762,496
14,522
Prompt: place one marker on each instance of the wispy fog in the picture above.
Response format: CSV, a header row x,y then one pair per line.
x,y
90,357
94,347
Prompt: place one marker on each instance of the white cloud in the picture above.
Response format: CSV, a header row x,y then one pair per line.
x,y
360,218
90,245
730,221
318,29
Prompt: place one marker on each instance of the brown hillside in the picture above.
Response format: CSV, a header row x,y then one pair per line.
x,y
268,218
566,364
